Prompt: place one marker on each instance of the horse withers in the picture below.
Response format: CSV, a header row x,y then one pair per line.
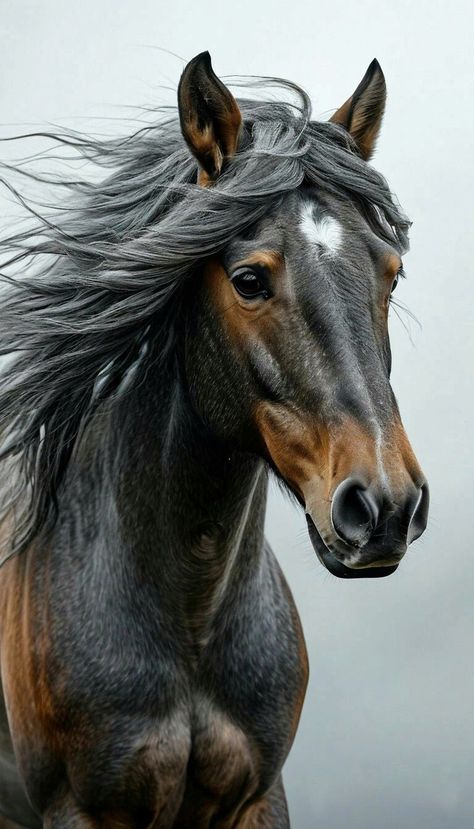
x,y
212,309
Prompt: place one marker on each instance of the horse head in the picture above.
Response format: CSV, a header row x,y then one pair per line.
x,y
293,346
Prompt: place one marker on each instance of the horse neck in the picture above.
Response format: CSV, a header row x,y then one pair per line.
x,y
183,510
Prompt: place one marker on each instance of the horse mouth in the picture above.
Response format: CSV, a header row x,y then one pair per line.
x,y
336,567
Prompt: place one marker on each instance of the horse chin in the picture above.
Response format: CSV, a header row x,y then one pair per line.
x,y
336,567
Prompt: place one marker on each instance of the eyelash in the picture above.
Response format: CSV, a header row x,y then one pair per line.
x,y
400,275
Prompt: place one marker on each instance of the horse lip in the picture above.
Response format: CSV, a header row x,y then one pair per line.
x,y
336,567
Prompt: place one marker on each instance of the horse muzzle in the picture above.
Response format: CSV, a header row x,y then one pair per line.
x,y
367,534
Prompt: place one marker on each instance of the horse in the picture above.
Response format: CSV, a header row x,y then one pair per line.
x,y
210,311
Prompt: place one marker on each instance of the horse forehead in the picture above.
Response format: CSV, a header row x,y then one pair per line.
x,y
322,231
333,240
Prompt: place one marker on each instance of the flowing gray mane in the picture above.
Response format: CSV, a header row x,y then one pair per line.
x,y
90,282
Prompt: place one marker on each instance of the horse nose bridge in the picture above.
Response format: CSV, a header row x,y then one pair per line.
x,y
396,459
355,449
365,396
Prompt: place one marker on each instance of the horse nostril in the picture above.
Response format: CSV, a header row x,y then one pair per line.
x,y
419,518
354,512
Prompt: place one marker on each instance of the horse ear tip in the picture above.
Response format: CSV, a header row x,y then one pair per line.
x,y
375,68
197,68
202,58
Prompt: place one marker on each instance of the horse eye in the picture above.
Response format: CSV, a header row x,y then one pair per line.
x,y
399,275
249,285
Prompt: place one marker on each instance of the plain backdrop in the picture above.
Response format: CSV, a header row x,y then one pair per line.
x,y
386,737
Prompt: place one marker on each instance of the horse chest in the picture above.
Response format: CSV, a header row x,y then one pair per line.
x,y
168,741
189,771
223,761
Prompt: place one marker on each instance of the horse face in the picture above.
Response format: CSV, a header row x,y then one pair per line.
x,y
293,334
302,307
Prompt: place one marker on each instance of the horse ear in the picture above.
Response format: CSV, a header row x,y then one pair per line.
x,y
362,113
209,115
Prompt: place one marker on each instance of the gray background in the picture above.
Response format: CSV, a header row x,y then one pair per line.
x,y
386,737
